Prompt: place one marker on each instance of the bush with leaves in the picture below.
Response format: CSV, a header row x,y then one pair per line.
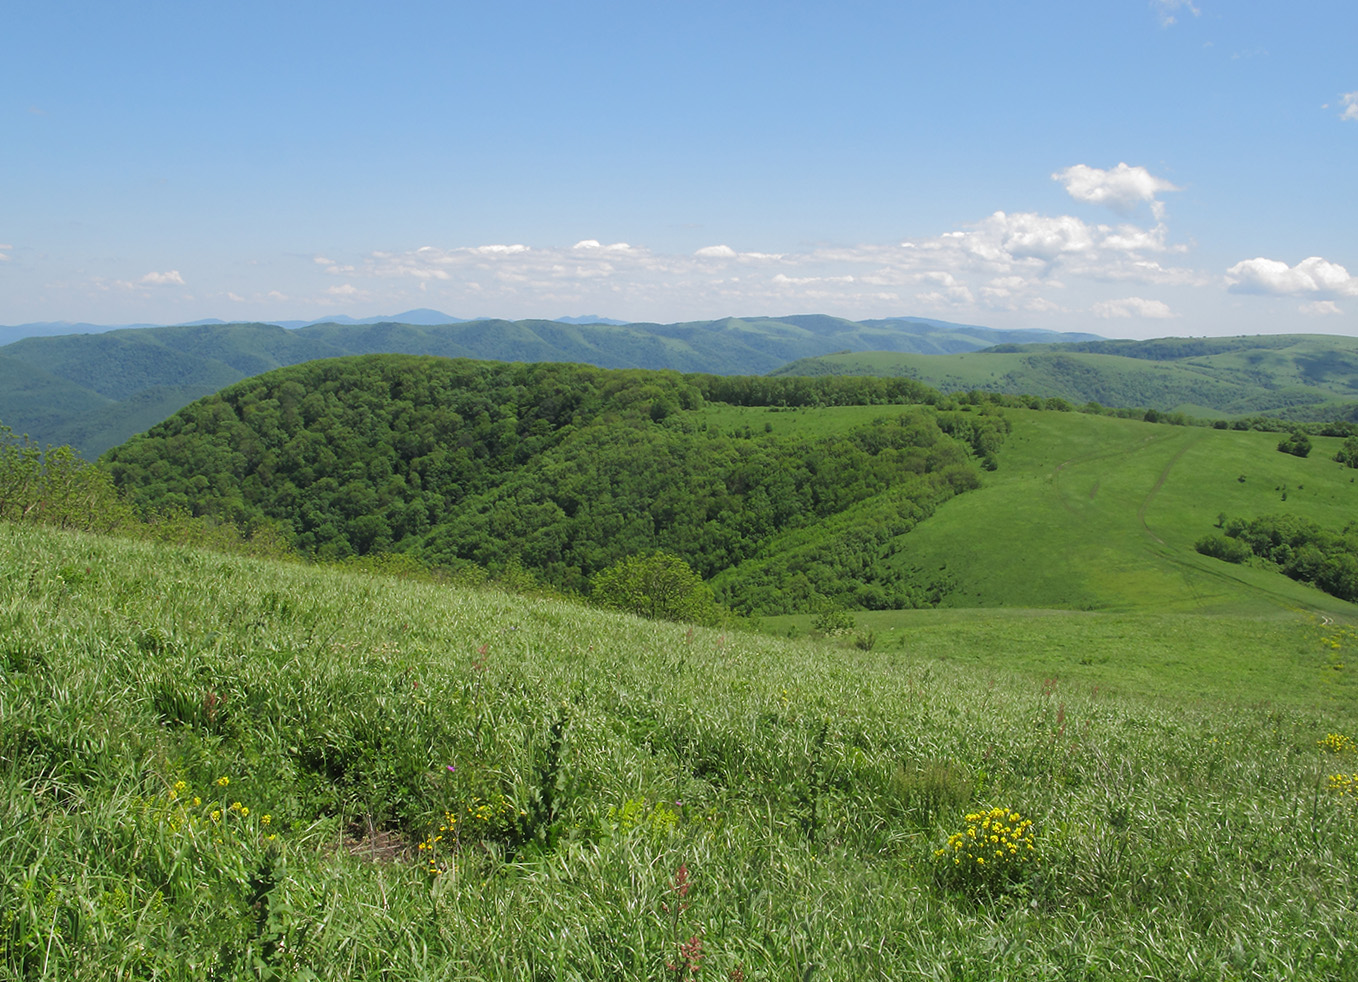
x,y
660,586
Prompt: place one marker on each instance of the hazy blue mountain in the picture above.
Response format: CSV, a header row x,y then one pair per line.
x,y
590,319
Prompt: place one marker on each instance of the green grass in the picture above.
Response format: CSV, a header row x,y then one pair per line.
x,y
1180,834
1088,512
1309,376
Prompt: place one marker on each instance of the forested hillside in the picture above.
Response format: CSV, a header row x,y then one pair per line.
x,y
93,391
563,470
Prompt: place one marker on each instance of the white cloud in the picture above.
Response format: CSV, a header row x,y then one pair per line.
x,y
1310,276
170,277
344,290
1122,188
1350,103
1132,307
1320,308
1168,8
332,267
1007,261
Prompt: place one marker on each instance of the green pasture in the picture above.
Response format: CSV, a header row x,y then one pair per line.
x,y
228,768
1089,512
1309,375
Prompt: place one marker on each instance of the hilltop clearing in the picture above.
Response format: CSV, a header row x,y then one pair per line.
x,y
1296,376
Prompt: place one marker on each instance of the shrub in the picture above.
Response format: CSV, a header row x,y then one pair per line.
x,y
660,586
996,848
1222,547
1297,443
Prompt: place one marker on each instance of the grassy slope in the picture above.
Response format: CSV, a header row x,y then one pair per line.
x,y
1179,837
1253,375
1076,558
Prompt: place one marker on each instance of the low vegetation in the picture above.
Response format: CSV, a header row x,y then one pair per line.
x,y
226,767
1002,721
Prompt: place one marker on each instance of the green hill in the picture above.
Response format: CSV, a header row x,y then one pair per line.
x,y
1302,377
791,496
216,766
93,391
563,470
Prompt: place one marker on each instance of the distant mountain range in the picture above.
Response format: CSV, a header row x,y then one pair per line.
x,y
93,390
420,315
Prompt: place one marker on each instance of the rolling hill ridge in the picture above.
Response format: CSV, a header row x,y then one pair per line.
x,y
93,391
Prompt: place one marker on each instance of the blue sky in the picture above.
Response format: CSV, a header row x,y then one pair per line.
x,y
1133,168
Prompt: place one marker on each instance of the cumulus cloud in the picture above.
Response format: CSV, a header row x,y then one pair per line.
x,y
591,245
1006,261
1349,100
3,250
1122,188
1132,307
346,290
1320,308
170,277
1312,276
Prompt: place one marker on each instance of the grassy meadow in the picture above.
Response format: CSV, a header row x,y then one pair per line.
x,y
1297,376
224,767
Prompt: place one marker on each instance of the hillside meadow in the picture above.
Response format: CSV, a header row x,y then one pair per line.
x,y
1296,376
224,767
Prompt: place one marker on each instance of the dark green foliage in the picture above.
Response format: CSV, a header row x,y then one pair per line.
x,y
1300,548
660,586
1348,453
564,470
1298,444
1221,547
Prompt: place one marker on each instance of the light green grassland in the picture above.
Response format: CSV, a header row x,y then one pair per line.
x,y
156,703
1088,511
1075,560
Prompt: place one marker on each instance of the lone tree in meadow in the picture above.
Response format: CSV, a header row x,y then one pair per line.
x,y
660,586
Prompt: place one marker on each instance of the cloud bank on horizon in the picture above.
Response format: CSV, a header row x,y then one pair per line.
x,y
1135,169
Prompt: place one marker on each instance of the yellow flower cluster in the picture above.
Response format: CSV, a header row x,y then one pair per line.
x,y
994,846
180,809
1337,743
1344,784
434,865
